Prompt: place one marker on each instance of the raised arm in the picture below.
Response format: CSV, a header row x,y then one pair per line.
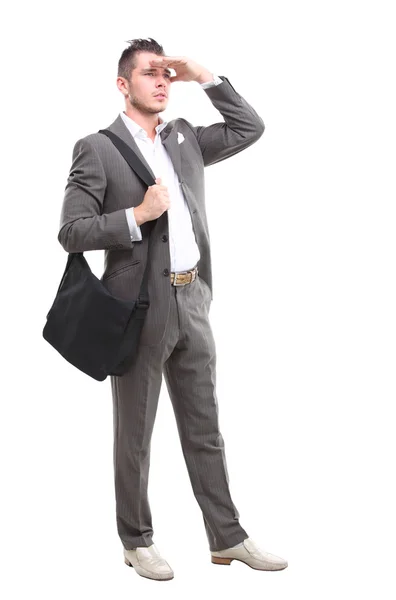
x,y
241,128
242,125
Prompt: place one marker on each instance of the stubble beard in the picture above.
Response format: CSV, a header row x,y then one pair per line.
x,y
141,107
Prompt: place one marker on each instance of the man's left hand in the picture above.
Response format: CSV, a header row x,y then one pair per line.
x,y
186,68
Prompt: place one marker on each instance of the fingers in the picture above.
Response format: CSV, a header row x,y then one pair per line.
x,y
169,60
158,183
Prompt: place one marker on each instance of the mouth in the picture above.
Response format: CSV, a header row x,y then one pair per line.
x,y
160,96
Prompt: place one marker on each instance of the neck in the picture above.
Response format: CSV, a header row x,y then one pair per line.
x,y
148,121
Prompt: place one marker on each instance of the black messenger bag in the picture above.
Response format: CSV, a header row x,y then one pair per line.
x,y
93,330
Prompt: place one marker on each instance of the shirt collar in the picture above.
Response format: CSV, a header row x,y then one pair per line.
x,y
138,131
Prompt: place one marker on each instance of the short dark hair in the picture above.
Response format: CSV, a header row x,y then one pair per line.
x,y
127,62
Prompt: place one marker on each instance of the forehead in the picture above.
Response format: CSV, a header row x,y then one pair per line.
x,y
143,62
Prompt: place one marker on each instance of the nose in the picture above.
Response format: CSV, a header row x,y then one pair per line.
x,y
161,86
162,77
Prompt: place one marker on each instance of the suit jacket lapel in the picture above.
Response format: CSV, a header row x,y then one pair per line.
x,y
119,128
170,141
168,138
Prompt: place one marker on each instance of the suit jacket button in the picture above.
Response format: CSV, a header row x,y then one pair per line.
x,y
166,272
164,238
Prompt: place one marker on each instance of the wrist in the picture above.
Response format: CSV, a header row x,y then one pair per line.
x,y
140,216
205,77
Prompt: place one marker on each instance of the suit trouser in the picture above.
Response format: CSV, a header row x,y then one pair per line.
x,y
186,357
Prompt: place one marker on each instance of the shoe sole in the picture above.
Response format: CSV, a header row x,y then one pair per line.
x,y
218,560
126,561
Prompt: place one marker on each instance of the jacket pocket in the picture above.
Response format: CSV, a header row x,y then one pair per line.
x,y
121,270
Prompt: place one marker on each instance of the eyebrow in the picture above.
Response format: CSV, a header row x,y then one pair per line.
x,y
154,69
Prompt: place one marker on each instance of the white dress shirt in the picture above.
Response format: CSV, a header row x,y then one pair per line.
x,y
184,251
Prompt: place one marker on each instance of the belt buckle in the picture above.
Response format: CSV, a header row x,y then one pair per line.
x,y
187,282
175,279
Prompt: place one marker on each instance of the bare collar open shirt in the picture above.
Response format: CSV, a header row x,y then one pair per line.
x,y
184,252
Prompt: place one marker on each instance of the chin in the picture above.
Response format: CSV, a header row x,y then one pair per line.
x,y
160,108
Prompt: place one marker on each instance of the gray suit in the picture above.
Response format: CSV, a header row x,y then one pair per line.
x,y
176,338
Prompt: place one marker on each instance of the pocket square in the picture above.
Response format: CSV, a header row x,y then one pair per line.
x,y
180,137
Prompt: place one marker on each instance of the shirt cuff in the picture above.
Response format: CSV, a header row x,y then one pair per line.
x,y
134,230
216,80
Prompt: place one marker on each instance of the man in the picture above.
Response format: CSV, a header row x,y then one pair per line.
x,y
106,206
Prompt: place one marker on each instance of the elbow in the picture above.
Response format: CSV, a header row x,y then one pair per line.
x,y
256,130
260,128
62,239
65,239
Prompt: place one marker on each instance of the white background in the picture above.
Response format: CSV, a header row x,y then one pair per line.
x,y
302,227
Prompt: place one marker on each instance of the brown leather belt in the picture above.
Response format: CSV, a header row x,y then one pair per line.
x,y
183,277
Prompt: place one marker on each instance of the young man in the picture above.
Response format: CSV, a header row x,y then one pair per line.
x,y
106,206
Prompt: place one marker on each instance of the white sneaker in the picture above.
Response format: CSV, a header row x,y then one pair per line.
x,y
148,562
249,553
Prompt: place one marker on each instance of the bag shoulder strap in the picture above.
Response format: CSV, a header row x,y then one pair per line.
x,y
141,171
130,156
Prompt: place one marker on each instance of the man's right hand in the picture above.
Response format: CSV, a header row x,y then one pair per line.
x,y
156,201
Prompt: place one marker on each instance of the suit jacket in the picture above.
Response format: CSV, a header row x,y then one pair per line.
x,y
101,185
